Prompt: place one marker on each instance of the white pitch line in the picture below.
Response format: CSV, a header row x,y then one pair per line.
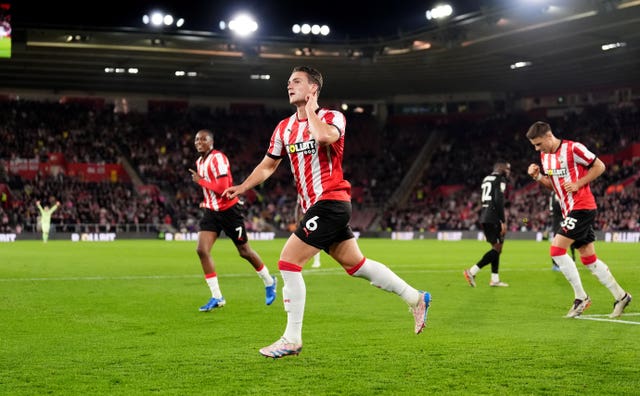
x,y
601,315
592,317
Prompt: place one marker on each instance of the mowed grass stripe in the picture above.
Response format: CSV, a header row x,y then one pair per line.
x,y
128,324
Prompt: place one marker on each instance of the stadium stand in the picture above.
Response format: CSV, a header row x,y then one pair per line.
x,y
158,147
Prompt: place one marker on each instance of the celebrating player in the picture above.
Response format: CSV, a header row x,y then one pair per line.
x,y
221,214
45,218
313,139
568,168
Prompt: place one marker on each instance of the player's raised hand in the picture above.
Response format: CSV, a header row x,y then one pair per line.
x,y
312,102
194,175
534,171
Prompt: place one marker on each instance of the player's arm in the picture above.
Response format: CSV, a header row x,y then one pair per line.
x,y
595,170
503,222
534,172
500,199
262,172
218,185
323,133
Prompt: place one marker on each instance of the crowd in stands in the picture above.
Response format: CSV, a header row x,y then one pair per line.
x,y
157,148
470,149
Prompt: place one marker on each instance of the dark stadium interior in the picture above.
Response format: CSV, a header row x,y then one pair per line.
x,y
432,100
472,52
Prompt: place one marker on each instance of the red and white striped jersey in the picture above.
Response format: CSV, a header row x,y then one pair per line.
x,y
212,167
569,163
317,171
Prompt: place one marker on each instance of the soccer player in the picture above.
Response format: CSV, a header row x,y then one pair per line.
x,y
222,214
567,168
493,223
45,218
313,140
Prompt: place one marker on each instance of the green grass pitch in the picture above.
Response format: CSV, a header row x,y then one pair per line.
x,y
122,318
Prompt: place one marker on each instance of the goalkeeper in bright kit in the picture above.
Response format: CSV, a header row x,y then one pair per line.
x,y
45,218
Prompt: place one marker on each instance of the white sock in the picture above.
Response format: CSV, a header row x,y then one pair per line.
x,y
294,295
601,271
382,277
265,276
214,287
474,270
495,278
570,271
316,260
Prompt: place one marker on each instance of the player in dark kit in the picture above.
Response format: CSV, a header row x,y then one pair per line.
x,y
493,223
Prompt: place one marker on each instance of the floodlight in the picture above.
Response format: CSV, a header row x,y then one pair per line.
x,y
243,25
440,11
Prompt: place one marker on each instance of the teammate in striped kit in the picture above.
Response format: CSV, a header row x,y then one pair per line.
x,y
313,140
567,168
221,214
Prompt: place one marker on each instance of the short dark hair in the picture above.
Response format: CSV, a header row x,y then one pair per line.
x,y
501,166
313,74
538,129
208,132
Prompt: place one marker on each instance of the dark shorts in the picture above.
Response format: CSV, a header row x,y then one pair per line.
x,y
493,232
325,223
230,221
578,225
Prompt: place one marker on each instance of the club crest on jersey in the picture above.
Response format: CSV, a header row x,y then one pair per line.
x,y
561,172
308,147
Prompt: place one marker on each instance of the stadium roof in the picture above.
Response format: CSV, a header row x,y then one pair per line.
x,y
352,19
559,43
